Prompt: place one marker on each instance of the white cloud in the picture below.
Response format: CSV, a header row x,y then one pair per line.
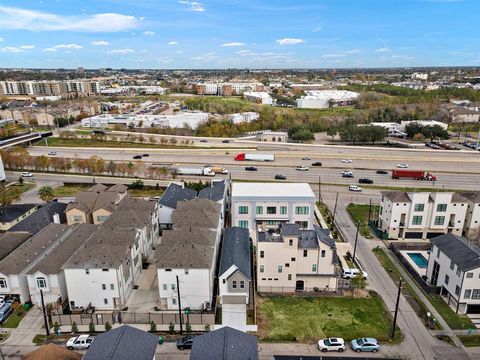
x,y
353,51
2,39
100,43
173,43
27,47
289,41
382,50
193,5
333,55
454,53
149,33
233,44
68,46
317,29
11,49
122,51
12,18
49,49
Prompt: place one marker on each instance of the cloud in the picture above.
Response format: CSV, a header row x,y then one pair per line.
x,y
233,44
27,47
12,18
49,49
193,5
353,51
382,50
122,51
2,39
149,33
173,43
333,55
11,49
100,43
289,41
68,46
317,29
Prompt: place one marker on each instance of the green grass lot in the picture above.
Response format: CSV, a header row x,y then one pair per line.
x,y
15,318
307,319
56,141
359,213
469,341
73,189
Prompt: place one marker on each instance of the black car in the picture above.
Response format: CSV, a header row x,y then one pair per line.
x,y
203,140
317,163
185,342
365,181
137,157
225,141
146,155
98,132
251,168
382,172
280,177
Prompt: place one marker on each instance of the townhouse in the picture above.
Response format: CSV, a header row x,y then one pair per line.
x,y
290,260
471,228
10,215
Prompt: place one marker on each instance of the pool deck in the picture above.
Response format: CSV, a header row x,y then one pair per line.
x,y
419,270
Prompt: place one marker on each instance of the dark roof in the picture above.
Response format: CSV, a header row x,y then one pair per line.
x,y
473,196
290,229
123,343
41,218
461,251
175,193
236,251
324,236
9,241
308,240
396,196
224,344
184,256
214,192
9,213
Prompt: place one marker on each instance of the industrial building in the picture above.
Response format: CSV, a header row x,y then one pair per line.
x,y
324,99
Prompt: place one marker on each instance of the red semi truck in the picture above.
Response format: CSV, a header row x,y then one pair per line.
x,y
254,157
413,174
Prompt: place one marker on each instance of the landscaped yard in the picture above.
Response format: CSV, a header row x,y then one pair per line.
x,y
15,318
359,213
455,321
470,340
307,319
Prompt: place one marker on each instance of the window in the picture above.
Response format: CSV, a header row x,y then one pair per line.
x,y
165,287
101,218
76,218
314,267
457,290
467,294
242,284
243,209
234,284
104,286
271,210
186,271
301,210
439,220
279,268
442,207
262,268
452,265
105,301
283,210
292,259
289,276
287,265
3,284
469,275
417,220
259,210
262,254
305,253
104,269
41,282
476,294
243,223
302,224
87,271
290,242
419,207
172,286
174,301
447,278
458,271
323,253
112,287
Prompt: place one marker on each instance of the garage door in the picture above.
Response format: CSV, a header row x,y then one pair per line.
x,y
413,235
473,309
234,315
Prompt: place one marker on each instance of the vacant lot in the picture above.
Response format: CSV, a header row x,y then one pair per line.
x,y
359,213
307,319
73,189
470,340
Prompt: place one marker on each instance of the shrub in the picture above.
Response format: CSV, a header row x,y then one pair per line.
x,y
74,327
153,327
56,327
91,327
108,327
188,327
207,327
171,328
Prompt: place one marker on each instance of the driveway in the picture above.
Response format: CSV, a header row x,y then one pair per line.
x,y
234,315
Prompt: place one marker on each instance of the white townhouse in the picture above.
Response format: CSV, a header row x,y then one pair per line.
x,y
421,215
471,229
454,265
272,204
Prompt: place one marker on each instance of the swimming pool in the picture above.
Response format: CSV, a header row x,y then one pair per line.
x,y
419,259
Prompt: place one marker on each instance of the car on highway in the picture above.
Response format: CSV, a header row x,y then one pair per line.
x,y
185,342
347,174
302,168
305,158
351,273
137,157
331,344
346,161
225,141
402,166
251,168
204,140
317,163
52,153
145,155
365,344
79,342
365,181
280,177
354,188
383,172
26,174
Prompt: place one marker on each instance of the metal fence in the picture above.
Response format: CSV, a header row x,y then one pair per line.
x,y
305,292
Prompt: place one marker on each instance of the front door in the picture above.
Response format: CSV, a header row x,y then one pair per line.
x,y
299,285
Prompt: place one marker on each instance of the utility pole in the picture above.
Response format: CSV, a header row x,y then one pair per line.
x,y
44,314
396,308
179,306
319,188
335,207
370,210
478,139
355,245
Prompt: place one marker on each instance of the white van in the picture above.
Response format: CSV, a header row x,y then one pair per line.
x,y
351,273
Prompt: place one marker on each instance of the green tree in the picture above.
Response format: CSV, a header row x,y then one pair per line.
x,y
332,131
358,282
91,327
153,327
46,193
413,129
74,327
108,327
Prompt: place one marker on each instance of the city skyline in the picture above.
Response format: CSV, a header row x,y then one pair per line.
x,y
238,34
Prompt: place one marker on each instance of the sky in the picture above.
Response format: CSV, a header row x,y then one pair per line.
x,y
158,34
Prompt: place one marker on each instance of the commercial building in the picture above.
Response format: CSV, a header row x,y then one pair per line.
x,y
454,266
324,99
393,129
293,260
404,123
422,215
259,97
227,88
271,204
239,118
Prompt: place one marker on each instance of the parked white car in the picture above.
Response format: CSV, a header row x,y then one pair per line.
x,y
351,273
331,344
402,166
26,174
79,342
302,168
346,161
354,188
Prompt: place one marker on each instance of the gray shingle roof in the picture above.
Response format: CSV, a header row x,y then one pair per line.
x,y
196,213
308,240
187,235
214,192
10,240
224,344
123,343
9,213
396,196
236,251
461,251
324,236
175,193
41,218
184,256
290,229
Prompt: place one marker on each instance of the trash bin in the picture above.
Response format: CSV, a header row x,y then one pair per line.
x,y
26,307
160,340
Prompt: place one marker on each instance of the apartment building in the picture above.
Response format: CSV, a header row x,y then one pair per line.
x,y
471,229
290,260
454,265
271,204
228,88
259,97
49,88
421,215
